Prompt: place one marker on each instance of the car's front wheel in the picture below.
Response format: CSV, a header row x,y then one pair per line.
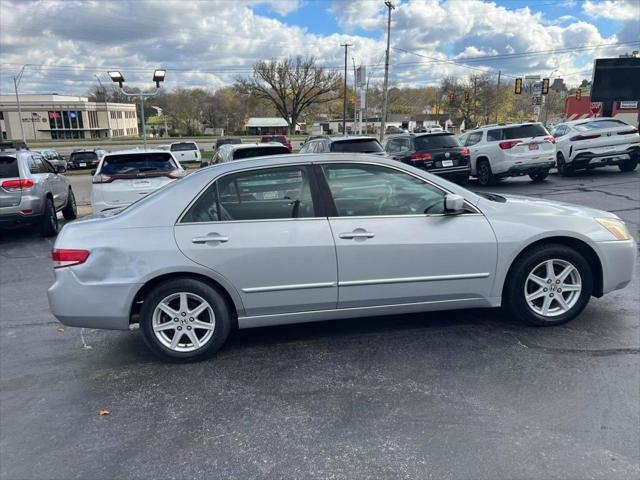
x,y
485,175
549,285
185,320
628,165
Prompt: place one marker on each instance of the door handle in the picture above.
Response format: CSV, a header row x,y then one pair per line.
x,y
214,237
352,235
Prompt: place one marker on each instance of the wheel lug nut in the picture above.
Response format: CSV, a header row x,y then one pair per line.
x,y
551,294
179,328
189,327
557,281
175,319
191,319
184,314
549,281
559,290
545,289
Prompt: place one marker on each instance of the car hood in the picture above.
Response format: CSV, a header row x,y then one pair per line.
x,y
521,205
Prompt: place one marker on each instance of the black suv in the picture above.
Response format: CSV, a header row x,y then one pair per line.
x,y
343,145
438,153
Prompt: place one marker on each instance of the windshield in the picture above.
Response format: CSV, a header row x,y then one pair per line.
x,y
425,142
368,145
83,156
273,139
137,163
258,152
9,167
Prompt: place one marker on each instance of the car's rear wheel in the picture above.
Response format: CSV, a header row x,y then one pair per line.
x,y
484,174
628,165
549,285
70,210
564,169
539,176
49,226
185,320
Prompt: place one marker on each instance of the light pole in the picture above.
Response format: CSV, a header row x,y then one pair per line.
x,y
16,82
106,107
158,77
344,99
546,101
385,101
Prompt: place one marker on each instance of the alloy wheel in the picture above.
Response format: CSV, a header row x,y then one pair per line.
x,y
183,322
553,287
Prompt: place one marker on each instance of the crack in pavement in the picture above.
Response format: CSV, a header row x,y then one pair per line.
x,y
604,352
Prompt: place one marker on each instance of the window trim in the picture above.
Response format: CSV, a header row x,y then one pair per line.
x,y
334,211
313,185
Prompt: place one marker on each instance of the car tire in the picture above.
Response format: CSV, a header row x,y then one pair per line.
x,y
539,176
484,174
70,210
49,226
216,316
628,165
521,288
563,169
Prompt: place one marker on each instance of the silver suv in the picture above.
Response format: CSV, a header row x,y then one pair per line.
x,y
499,151
32,192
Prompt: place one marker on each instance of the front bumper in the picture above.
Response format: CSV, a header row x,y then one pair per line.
x,y
90,305
593,160
618,263
527,168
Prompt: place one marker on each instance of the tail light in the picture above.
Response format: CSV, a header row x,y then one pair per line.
x,y
175,174
509,144
628,132
419,157
197,154
66,258
465,152
102,179
583,137
550,138
17,184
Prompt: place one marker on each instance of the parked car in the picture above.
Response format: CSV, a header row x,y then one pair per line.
x,y
499,151
312,137
596,142
277,138
185,151
54,158
124,177
438,153
287,239
231,152
392,129
85,158
343,145
32,192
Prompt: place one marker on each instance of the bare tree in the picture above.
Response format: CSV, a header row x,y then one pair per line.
x,y
291,85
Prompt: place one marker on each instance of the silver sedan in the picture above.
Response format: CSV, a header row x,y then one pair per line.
x,y
302,238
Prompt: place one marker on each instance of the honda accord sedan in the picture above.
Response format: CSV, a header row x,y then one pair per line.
x,y
287,239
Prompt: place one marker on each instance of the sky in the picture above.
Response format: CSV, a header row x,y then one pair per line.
x,y
210,43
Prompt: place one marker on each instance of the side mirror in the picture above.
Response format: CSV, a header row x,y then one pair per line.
x,y
453,204
93,172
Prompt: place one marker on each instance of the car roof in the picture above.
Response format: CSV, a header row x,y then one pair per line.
x,y
182,141
342,138
504,125
243,146
587,120
134,151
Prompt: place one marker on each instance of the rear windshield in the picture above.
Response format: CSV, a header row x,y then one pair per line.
x,y
368,145
258,152
426,142
521,131
182,147
227,141
9,167
273,139
137,163
82,156
597,124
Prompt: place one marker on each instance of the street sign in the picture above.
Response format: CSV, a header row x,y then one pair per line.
x,y
536,110
537,88
361,76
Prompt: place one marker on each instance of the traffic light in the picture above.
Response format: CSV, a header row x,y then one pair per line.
x,y
467,96
578,94
545,86
452,97
518,87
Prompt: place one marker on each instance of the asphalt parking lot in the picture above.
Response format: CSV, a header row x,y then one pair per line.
x,y
467,394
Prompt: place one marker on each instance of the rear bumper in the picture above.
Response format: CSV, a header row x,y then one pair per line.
x,y
452,173
527,168
90,305
11,219
584,159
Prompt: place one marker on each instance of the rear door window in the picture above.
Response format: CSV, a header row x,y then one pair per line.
x,y
494,135
357,146
9,167
428,142
137,163
524,131
264,194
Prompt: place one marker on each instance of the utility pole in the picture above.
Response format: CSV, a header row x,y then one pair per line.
x,y
385,101
498,93
16,82
475,92
106,107
355,93
344,100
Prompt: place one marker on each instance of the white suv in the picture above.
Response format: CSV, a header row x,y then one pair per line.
x,y
499,151
596,142
185,151
129,175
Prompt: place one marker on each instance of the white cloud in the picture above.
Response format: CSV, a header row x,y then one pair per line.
x,y
621,10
